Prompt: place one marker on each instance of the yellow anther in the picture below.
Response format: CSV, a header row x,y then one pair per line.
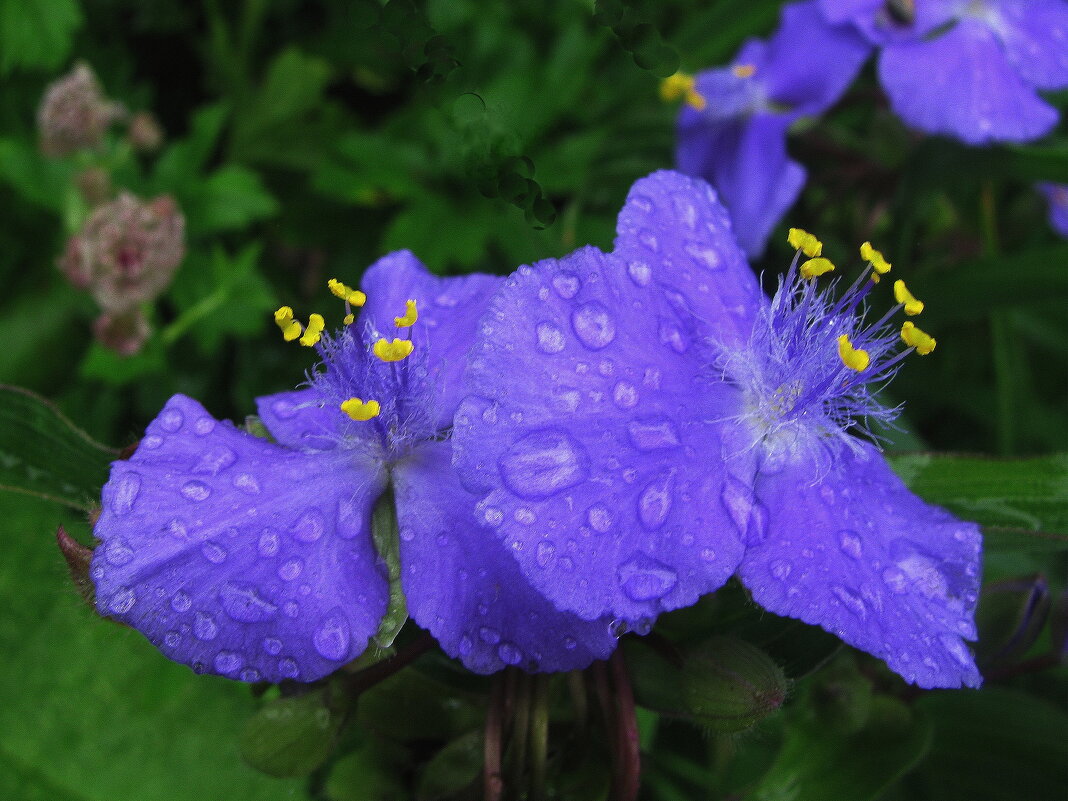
x,y
314,331
393,351
411,314
354,296
903,296
814,267
879,265
743,70
682,85
805,242
361,410
348,319
915,338
853,358
290,328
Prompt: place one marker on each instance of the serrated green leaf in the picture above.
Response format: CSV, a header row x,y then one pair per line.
x,y
42,453
36,33
183,161
817,763
230,198
1019,494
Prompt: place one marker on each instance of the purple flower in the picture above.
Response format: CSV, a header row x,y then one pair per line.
x,y
254,559
967,68
732,130
645,424
1057,197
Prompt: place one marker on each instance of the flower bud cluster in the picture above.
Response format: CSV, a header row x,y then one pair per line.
x,y
75,114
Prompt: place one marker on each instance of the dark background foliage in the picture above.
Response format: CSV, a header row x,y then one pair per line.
x,y
303,140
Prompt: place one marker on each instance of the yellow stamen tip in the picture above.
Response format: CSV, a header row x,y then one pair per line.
x,y
411,314
903,296
915,338
802,240
393,351
879,264
314,331
743,70
291,329
348,319
853,358
361,410
354,297
682,85
814,267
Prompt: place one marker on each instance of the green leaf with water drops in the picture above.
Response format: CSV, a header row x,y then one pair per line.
x,y
1002,495
43,453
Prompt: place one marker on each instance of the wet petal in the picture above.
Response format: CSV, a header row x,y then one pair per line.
x,y
673,233
236,556
465,588
1035,36
591,438
300,419
858,554
962,84
449,309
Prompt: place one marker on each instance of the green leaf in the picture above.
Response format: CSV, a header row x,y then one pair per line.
x,y
36,33
183,161
42,453
228,199
37,179
106,365
994,745
817,763
453,768
292,736
90,711
1017,494
367,772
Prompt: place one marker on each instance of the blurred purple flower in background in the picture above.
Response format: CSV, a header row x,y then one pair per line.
x,y
1057,197
970,69
732,130
645,424
254,559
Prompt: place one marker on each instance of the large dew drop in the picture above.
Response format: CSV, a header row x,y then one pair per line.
x,y
243,603
594,325
331,639
645,579
544,463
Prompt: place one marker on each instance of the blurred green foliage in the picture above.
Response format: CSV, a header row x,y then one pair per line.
x,y
303,140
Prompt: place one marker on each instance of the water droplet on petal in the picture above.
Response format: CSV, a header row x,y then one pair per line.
x,y
640,272
268,543
524,516
151,442
465,645
284,409
331,639
243,603
544,463
708,555
673,337
171,639
827,493
125,492
288,668
594,325
545,553
653,434
247,483
550,338
600,519
204,626
850,600
118,552
171,420
509,653
215,461
625,395
850,543
780,568
204,426
310,526
250,675
654,504
703,255
570,643
645,579
196,490
493,516
895,579
181,602
227,662
566,285
272,646
122,601
489,636
290,569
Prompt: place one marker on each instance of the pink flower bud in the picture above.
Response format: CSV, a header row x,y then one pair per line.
x,y
74,114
